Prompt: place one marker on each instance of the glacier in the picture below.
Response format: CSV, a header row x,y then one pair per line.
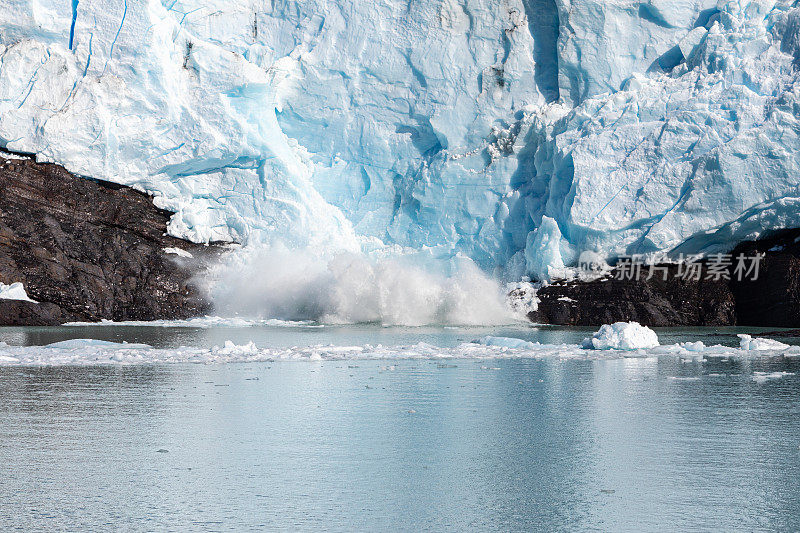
x,y
515,133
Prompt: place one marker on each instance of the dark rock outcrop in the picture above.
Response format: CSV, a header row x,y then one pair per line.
x,y
770,299
655,302
773,299
90,250
22,313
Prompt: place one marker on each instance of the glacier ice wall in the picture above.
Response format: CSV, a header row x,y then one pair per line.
x,y
455,126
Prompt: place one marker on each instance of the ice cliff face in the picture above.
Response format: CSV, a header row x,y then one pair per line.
x,y
517,132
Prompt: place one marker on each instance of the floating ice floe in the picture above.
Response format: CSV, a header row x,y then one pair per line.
x,y
506,342
95,352
747,342
763,377
81,344
233,349
692,346
622,336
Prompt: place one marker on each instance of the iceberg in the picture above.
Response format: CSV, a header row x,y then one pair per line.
x,y
623,336
517,133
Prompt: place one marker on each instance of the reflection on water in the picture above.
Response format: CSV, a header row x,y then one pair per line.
x,y
629,444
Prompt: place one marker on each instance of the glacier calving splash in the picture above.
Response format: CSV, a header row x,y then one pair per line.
x,y
517,133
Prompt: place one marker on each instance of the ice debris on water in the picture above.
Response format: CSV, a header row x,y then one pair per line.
x,y
622,336
747,342
615,342
763,377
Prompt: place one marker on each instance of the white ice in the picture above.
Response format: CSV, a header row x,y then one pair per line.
x,y
14,291
622,336
92,352
746,342
518,133
179,252
763,377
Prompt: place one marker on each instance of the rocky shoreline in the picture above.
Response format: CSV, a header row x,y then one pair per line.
x,y
770,300
88,250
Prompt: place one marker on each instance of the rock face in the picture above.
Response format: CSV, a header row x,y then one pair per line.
x,y
90,250
772,299
21,313
654,302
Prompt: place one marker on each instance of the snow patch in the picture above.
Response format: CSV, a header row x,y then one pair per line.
x,y
179,252
13,157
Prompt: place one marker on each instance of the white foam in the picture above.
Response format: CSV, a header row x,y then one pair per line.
x,y
390,288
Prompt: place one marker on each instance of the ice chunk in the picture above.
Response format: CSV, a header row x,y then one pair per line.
x,y
15,291
622,336
233,349
747,342
93,352
179,252
693,346
763,377
77,344
543,251
506,342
